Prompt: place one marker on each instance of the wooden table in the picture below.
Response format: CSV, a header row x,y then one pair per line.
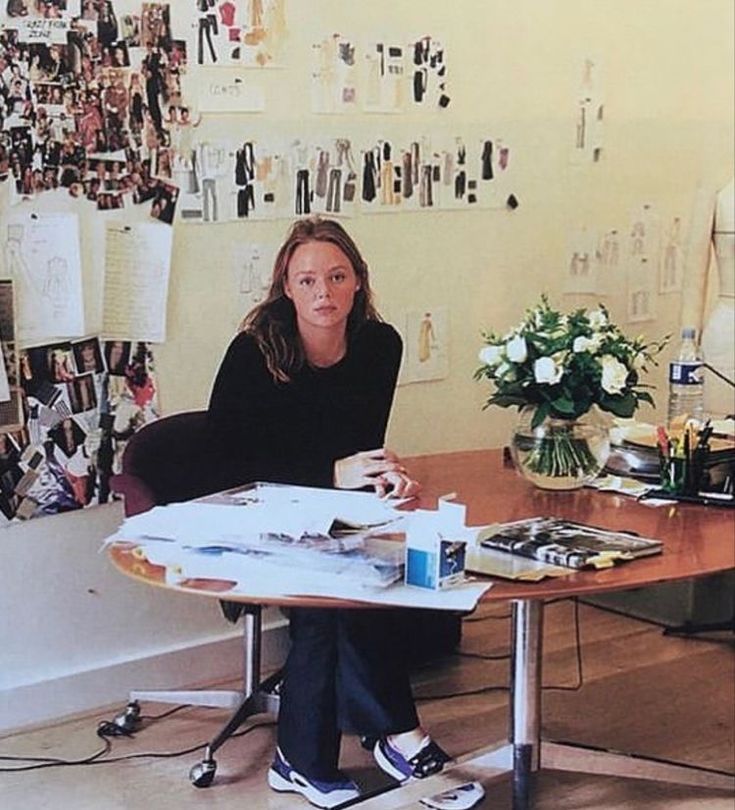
x,y
697,541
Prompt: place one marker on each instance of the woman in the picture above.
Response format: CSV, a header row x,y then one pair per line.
x,y
303,397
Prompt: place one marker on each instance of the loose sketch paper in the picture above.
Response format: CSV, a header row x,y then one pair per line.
x,y
42,255
137,265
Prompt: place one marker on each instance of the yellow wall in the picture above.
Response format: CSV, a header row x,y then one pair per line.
x,y
514,66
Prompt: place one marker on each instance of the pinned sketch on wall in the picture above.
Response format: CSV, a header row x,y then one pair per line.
x,y
384,77
589,115
443,171
137,264
252,266
334,75
426,349
642,290
609,260
671,268
83,401
582,265
428,73
251,33
335,187
42,256
642,259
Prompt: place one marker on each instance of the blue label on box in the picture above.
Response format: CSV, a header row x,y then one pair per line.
x,y
420,568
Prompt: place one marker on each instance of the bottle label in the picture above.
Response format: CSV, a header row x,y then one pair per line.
x,y
683,373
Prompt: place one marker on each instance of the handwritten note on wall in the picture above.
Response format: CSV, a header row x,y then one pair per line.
x,y
137,265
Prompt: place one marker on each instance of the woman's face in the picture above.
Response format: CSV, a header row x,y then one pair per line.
x,y
321,282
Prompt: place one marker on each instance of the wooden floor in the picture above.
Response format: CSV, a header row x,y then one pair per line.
x,y
656,695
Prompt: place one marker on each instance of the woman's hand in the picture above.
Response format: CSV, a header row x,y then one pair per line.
x,y
381,469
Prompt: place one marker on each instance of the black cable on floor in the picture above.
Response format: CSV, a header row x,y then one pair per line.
x,y
97,757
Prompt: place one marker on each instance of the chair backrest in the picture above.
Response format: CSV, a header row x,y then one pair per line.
x,y
167,461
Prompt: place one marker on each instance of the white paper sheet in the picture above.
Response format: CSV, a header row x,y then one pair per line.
x,y
239,517
137,265
42,255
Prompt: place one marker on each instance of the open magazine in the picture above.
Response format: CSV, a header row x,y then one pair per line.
x,y
566,543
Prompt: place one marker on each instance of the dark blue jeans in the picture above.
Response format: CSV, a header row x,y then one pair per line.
x,y
346,671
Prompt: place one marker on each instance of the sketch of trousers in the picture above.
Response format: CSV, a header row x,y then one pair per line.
x,y
245,201
209,196
207,27
303,203
425,196
407,176
334,191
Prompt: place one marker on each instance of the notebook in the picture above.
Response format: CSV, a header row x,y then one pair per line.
x,y
566,543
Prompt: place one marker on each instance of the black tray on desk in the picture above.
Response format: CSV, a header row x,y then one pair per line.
x,y
642,462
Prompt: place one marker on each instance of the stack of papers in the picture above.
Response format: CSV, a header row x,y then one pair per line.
x,y
274,540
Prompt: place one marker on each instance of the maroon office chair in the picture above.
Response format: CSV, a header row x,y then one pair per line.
x,y
168,461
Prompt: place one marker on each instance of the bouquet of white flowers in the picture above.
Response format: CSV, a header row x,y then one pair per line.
x,y
561,365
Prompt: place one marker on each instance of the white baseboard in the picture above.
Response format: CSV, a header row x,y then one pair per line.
x,y
214,660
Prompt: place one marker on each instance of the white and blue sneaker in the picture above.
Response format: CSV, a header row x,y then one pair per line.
x,y
284,779
429,759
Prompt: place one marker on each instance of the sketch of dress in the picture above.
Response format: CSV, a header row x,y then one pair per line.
x,y
426,339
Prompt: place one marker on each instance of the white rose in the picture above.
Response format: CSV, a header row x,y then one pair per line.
x,y
581,344
516,350
491,355
597,318
546,370
614,374
587,344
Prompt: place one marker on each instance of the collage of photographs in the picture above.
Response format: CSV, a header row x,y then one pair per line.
x,y
72,408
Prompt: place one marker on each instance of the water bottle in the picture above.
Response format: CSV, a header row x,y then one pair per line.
x,y
686,381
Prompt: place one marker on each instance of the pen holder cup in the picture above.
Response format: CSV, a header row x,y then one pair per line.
x,y
673,474
682,475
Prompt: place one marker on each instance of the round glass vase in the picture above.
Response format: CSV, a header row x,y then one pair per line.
x,y
560,453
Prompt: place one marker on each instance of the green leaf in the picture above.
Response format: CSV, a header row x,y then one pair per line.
x,y
563,405
506,400
623,407
540,414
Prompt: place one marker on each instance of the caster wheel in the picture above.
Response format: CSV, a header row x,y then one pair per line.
x,y
202,774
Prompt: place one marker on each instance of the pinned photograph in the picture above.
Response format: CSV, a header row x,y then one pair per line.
x,y
117,356
88,356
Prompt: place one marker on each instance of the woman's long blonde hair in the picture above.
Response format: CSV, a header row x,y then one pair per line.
x,y
273,322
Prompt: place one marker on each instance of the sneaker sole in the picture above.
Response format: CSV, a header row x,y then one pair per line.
x,y
282,785
387,766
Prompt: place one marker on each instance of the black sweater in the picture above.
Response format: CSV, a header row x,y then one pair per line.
x,y
293,432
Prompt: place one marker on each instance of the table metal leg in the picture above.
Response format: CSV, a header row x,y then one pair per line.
x,y
525,701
